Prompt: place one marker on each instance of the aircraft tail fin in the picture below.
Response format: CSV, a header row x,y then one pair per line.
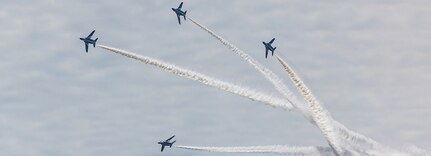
x,y
185,12
94,44
266,53
172,143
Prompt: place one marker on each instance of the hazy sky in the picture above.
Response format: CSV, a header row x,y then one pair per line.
x,y
367,61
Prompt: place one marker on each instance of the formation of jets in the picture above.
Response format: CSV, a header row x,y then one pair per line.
x,y
166,143
179,13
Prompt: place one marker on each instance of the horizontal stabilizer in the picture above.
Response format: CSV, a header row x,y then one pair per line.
x,y
94,44
273,51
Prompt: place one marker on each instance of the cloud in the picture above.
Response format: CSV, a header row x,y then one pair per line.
x,y
57,100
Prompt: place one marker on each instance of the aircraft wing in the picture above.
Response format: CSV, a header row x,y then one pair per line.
x,y
179,20
170,138
181,5
270,42
266,53
163,147
86,47
91,34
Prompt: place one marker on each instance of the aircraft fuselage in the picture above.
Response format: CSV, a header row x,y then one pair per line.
x,y
87,40
179,12
268,46
165,143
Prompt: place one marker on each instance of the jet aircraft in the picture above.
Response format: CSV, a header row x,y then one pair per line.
x,y
88,40
268,46
179,12
166,143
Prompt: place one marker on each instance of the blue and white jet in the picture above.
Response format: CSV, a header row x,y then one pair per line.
x,y
268,46
88,40
179,12
166,143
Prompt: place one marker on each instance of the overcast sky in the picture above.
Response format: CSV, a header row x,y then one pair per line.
x,y
367,61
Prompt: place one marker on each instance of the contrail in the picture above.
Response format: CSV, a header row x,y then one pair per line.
x,y
355,140
235,89
266,72
353,143
322,118
277,149
318,114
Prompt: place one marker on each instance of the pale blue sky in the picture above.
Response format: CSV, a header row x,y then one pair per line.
x,y
367,61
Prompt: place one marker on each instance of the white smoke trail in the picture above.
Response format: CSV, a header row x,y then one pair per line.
x,y
268,74
322,118
417,151
370,148
249,93
279,85
353,142
277,149
357,142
